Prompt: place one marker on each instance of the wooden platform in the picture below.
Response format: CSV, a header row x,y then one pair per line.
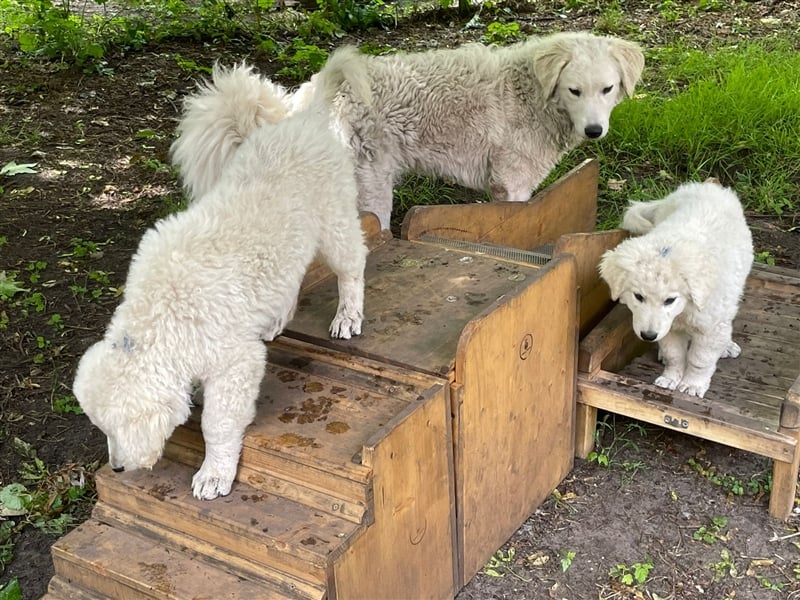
x,y
754,400
373,468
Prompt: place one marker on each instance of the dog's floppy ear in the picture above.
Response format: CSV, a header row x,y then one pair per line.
x,y
549,59
631,62
613,273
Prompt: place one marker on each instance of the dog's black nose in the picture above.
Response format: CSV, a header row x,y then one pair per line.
x,y
118,469
648,336
593,131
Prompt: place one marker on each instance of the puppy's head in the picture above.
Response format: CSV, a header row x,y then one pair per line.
x,y
587,76
128,402
656,282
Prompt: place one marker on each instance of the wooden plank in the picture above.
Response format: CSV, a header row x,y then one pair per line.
x,y
115,564
694,416
587,248
566,206
269,532
61,589
515,416
409,551
613,332
419,297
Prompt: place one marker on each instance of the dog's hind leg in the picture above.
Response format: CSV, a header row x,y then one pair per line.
x,y
342,248
229,407
375,186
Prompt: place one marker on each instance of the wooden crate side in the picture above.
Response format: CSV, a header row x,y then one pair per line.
x,y
515,419
568,205
409,551
587,248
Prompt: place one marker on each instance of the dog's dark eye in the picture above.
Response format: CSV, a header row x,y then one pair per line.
x,y
606,90
574,92
669,301
639,297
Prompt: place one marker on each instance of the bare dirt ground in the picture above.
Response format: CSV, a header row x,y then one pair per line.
x,y
696,512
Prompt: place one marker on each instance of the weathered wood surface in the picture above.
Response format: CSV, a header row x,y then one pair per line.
x,y
588,248
568,205
419,297
514,410
411,457
89,558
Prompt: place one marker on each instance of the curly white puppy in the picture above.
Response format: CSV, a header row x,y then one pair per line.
x,y
207,285
489,118
683,279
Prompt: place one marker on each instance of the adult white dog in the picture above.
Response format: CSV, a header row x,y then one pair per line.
x,y
207,285
683,278
497,119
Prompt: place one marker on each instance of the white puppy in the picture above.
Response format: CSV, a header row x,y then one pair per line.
x,y
207,285
683,278
489,118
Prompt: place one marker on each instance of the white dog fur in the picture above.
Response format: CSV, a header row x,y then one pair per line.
x,y
497,119
208,284
683,279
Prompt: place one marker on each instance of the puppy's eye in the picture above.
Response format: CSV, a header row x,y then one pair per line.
x,y
639,297
606,90
574,92
669,301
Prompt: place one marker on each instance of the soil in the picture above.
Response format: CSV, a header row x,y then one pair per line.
x,y
100,142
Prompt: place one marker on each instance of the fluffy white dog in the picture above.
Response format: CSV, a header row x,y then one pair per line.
x,y
683,279
489,118
207,285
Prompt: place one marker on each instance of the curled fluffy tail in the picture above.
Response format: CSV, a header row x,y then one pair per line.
x,y
639,217
216,120
346,67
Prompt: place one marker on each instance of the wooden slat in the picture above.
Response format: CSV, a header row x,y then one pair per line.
x,y
409,551
61,589
115,564
269,532
516,368
419,297
587,248
567,206
611,335
708,420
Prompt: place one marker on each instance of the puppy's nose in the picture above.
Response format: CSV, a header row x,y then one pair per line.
x,y
118,469
648,336
593,131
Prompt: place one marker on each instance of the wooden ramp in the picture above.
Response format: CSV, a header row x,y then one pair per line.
x,y
374,467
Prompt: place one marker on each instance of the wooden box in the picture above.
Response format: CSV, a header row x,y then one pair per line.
x,y
375,467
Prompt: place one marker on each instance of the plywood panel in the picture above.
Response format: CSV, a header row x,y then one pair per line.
x,y
409,550
569,205
515,415
418,299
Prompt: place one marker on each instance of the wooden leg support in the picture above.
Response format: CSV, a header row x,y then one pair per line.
x,y
784,474
585,426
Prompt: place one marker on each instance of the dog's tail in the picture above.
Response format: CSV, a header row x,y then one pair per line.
x,y
217,119
641,217
345,66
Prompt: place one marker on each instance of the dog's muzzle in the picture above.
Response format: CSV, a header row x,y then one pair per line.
x,y
118,469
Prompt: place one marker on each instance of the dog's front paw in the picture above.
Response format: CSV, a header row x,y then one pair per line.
x,y
694,387
344,327
732,350
667,382
209,483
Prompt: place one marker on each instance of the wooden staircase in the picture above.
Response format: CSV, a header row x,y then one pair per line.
x,y
375,467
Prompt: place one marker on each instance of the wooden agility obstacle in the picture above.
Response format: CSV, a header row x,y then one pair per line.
x,y
388,466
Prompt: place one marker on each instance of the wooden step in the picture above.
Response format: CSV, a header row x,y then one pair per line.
x,y
98,561
258,531
62,589
314,416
